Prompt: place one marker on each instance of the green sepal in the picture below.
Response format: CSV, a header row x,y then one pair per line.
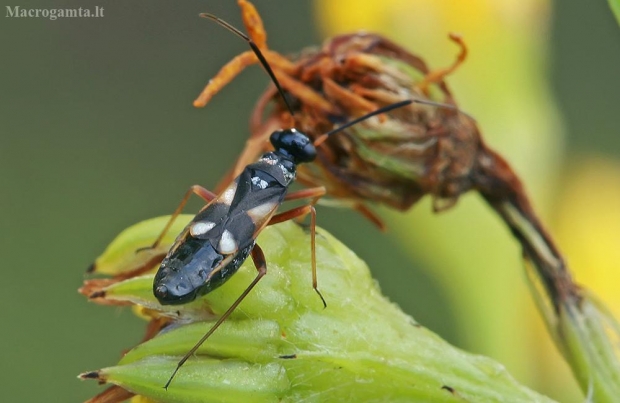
x,y
139,291
249,340
122,254
203,380
381,156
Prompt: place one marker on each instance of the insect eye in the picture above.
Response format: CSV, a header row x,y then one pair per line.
x,y
306,152
294,143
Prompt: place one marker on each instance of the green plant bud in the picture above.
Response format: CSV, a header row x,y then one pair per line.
x,y
124,255
282,345
587,335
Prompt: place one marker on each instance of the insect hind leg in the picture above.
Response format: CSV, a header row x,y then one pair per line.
x,y
258,257
198,190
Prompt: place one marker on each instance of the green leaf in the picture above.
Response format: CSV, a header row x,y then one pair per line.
x,y
281,345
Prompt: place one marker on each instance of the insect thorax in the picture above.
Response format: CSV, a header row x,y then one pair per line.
x,y
278,166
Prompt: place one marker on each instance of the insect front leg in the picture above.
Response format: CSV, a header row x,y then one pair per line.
x,y
258,257
315,194
198,190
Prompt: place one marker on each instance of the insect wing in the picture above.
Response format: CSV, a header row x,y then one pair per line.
x,y
211,223
262,212
250,216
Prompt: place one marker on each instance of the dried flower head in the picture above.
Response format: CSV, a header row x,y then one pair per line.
x,y
400,157
395,159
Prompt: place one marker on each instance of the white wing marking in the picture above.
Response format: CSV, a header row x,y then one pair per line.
x,y
201,227
258,213
227,243
229,194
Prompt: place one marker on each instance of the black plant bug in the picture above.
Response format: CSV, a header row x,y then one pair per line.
x,y
223,234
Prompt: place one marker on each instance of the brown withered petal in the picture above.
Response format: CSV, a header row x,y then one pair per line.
x,y
113,394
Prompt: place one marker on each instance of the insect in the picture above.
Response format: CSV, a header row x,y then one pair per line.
x,y
223,234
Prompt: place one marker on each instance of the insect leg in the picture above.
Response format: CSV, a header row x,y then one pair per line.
x,y
198,190
315,194
312,193
258,257
356,205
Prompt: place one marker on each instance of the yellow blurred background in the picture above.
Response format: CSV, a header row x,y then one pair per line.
x,y
99,132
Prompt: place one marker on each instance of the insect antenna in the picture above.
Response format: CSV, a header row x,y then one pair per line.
x,y
272,75
379,111
257,52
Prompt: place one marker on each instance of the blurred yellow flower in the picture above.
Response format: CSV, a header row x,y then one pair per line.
x,y
588,225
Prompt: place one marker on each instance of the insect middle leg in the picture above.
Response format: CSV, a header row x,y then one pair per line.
x,y
314,194
258,257
198,190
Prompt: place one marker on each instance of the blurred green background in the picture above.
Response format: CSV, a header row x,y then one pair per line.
x,y
97,132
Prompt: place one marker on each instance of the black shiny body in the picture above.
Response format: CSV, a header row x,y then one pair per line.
x,y
217,241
